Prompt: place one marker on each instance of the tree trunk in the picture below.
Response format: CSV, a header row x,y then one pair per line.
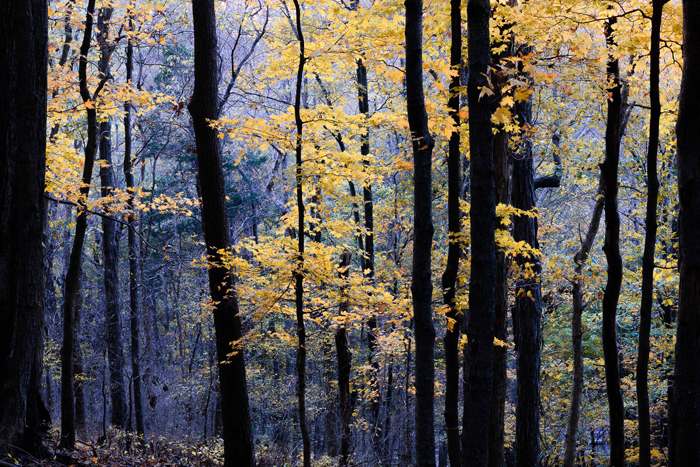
x,y
299,270
23,88
134,292
528,299
449,277
238,440
79,367
612,254
421,286
577,334
646,306
344,364
72,289
110,245
685,420
502,171
480,328
368,252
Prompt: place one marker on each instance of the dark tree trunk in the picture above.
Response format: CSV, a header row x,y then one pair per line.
x,y
612,254
685,420
647,301
134,291
23,88
528,300
421,286
110,245
79,367
577,334
502,169
344,364
72,289
480,328
368,252
299,270
238,439
449,277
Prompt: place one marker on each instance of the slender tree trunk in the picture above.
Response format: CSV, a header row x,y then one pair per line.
x,y
134,291
238,440
480,328
110,246
528,300
72,283
502,169
78,367
421,286
449,277
647,301
23,88
299,270
612,253
344,364
577,334
368,253
685,420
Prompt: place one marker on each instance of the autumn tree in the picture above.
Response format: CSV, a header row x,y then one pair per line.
x,y
204,108
648,260
479,349
609,179
421,286
449,276
72,290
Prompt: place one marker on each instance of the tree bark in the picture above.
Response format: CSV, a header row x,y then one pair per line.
x,y
482,286
344,364
203,107
72,289
502,171
110,245
23,89
612,253
299,270
421,286
449,276
647,300
577,334
134,290
685,420
528,299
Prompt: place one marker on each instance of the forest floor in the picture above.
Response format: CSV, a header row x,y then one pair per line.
x,y
119,449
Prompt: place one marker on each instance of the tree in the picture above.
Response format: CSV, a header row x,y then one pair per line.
x,y
421,285
134,274
454,249
685,421
609,179
527,314
204,108
72,289
480,328
110,244
23,90
647,301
